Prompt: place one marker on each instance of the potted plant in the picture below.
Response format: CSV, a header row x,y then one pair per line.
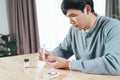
x,y
117,17
8,46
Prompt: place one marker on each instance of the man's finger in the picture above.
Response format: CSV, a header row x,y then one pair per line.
x,y
53,64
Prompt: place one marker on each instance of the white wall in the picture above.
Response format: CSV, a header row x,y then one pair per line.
x,y
4,29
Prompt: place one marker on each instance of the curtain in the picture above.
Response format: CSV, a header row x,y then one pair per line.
x,y
112,8
23,25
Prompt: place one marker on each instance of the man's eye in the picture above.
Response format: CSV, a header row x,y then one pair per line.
x,y
73,15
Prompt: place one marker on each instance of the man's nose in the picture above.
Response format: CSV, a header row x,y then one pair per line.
x,y
72,21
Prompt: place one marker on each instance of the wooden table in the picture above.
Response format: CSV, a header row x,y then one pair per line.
x,y
12,68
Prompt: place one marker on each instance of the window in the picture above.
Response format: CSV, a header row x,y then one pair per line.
x,y
99,6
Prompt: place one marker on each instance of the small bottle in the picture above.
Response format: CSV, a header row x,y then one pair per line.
x,y
26,63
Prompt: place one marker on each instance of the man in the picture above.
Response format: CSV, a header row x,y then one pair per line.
x,y
93,39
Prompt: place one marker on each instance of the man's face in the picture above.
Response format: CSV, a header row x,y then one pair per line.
x,y
78,18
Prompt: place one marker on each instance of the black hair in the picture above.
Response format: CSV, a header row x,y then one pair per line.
x,y
76,4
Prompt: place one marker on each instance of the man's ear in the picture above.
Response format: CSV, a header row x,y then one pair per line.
x,y
87,9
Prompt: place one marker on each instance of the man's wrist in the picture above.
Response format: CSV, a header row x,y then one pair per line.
x,y
67,64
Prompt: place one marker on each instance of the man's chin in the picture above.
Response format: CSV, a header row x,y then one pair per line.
x,y
78,28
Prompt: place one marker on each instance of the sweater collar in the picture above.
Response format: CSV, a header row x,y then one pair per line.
x,y
90,31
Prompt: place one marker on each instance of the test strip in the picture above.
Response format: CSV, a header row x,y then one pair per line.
x,y
51,74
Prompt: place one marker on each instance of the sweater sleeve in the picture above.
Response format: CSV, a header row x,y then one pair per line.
x,y
64,49
109,63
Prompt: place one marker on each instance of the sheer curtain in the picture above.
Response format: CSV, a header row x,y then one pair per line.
x,y
23,25
53,25
112,8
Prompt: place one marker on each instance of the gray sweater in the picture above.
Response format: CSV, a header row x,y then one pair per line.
x,y
97,51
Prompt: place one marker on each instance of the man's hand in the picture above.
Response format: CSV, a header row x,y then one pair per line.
x,y
41,53
58,62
